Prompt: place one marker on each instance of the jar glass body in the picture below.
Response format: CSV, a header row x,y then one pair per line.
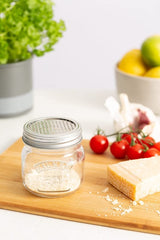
x,y
52,172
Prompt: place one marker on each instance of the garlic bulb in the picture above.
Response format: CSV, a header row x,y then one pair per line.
x,y
132,115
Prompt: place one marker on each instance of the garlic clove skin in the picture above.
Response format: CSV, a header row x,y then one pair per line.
x,y
132,114
113,107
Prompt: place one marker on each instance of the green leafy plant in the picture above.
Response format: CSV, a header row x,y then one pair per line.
x,y
27,28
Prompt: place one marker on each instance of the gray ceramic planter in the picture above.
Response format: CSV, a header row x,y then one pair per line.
x,y
16,95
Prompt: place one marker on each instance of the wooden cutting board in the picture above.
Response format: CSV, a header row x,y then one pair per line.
x,y
90,204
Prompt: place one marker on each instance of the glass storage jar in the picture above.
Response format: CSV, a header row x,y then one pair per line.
x,y
52,157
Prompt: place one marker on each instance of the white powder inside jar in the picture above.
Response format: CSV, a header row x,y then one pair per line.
x,y
52,181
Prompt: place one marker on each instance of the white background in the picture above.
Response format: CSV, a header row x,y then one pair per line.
x,y
98,34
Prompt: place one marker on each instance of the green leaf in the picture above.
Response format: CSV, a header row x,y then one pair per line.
x,y
3,52
38,53
27,28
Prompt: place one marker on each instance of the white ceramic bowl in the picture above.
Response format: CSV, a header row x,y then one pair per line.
x,y
139,89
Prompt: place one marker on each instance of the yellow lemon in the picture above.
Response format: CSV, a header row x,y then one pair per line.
x,y
132,63
153,72
151,51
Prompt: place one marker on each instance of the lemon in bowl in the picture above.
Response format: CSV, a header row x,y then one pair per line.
x,y
153,72
132,63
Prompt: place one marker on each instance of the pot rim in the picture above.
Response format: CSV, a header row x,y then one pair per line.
x,y
15,64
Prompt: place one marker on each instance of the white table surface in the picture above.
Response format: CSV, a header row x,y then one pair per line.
x,y
87,107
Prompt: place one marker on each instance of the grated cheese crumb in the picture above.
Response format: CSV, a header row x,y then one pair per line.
x,y
119,207
115,202
90,192
106,190
108,198
134,203
97,192
141,203
158,212
116,209
127,211
123,213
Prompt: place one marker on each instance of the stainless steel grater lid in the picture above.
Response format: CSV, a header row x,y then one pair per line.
x,y
52,133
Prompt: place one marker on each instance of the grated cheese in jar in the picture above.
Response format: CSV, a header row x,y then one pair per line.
x,y
52,180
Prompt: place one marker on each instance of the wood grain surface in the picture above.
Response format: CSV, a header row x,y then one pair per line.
x,y
89,204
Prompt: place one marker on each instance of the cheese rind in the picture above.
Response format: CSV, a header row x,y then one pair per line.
x,y
136,178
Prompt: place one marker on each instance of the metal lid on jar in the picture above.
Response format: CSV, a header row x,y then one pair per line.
x,y
52,133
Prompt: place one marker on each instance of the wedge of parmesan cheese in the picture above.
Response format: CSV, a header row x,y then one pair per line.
x,y
136,178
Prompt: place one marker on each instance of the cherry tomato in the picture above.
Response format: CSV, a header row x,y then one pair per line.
x,y
149,141
135,151
157,145
151,152
129,136
118,149
99,144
